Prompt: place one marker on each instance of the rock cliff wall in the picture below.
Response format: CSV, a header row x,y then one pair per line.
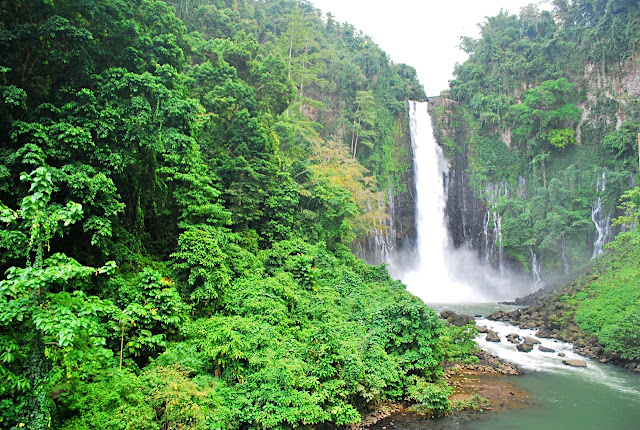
x,y
398,231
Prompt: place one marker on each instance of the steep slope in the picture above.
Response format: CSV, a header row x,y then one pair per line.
x,y
179,183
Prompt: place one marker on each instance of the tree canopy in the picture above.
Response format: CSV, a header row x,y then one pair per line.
x,y
179,182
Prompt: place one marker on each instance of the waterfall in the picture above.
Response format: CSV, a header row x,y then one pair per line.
x,y
601,220
564,256
430,280
485,233
535,272
497,233
439,273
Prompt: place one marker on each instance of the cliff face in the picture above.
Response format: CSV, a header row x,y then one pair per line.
x,y
397,231
480,212
470,220
475,211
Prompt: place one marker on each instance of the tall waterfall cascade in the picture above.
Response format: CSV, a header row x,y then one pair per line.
x,y
439,273
601,220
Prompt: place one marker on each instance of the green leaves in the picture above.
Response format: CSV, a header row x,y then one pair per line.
x,y
43,220
544,110
150,313
201,262
195,172
623,144
624,336
629,203
561,138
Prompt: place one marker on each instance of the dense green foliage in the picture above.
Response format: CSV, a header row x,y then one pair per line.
x,y
543,112
179,181
608,301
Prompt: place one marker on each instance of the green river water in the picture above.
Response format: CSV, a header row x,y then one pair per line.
x,y
598,397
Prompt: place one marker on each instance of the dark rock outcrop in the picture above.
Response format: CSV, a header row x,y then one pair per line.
x,y
524,347
482,329
575,363
492,336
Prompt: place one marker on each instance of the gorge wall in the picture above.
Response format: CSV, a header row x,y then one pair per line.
x,y
396,232
481,205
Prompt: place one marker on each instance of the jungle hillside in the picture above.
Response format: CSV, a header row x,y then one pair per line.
x,y
180,184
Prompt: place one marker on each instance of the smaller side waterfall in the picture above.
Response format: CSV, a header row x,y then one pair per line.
x,y
564,256
488,254
601,220
497,219
535,272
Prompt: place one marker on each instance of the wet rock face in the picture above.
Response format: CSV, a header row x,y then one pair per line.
x,y
524,347
464,212
458,320
492,336
400,233
574,363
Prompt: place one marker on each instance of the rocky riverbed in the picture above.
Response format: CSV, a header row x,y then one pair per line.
x,y
554,319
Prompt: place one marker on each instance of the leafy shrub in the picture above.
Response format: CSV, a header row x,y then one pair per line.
x,y
624,336
112,400
432,398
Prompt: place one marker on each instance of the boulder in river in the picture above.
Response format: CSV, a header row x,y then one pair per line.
x,y
460,320
575,363
445,315
544,332
514,315
524,347
492,336
482,329
561,354
497,316
514,338
531,340
545,349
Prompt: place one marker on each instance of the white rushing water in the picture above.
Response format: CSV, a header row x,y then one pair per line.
x,y
430,280
601,220
550,362
439,273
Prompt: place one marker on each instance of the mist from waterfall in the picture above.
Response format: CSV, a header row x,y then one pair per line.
x,y
436,272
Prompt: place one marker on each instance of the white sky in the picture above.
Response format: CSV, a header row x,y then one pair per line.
x,y
424,34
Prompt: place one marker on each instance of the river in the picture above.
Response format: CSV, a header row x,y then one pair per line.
x,y
559,397
596,397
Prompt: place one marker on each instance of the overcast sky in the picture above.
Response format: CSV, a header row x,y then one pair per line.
x,y
424,34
